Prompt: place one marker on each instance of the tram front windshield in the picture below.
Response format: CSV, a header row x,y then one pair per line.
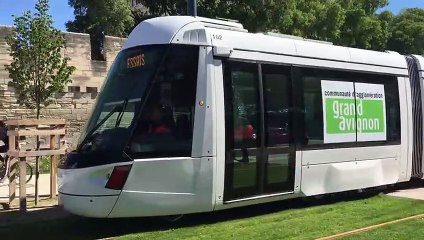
x,y
145,109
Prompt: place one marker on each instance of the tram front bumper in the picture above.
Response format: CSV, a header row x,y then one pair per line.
x,y
88,206
82,191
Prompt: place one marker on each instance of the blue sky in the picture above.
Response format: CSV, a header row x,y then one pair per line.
x,y
397,5
62,13
59,9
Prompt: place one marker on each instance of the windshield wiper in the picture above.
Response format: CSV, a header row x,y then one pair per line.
x,y
114,110
121,114
89,134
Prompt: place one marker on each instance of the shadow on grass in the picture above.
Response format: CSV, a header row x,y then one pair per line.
x,y
41,226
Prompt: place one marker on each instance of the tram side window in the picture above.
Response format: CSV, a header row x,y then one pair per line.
x,y
391,94
312,98
393,111
242,105
360,108
165,127
313,102
276,85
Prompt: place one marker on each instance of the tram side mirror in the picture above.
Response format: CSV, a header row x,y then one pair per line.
x,y
219,51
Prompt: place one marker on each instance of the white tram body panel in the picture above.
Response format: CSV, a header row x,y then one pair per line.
x,y
180,185
167,187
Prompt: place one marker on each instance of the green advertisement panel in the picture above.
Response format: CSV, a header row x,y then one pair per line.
x,y
353,112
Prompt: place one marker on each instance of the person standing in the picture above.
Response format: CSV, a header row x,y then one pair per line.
x,y
3,137
4,146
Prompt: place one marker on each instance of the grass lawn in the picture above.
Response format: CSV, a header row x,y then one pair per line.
x,y
294,219
412,229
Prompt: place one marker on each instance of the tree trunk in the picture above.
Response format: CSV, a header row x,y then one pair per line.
x,y
37,161
38,111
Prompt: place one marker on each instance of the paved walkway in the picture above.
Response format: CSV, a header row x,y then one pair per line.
x,y
413,193
45,212
43,187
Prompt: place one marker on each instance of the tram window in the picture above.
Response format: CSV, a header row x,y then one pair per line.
x,y
165,128
312,98
314,112
393,112
277,105
242,125
125,117
244,107
391,92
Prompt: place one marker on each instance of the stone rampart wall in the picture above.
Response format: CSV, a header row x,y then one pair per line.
x,y
75,103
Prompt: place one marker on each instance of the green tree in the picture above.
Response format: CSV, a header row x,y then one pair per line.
x,y
100,18
38,69
407,31
252,12
351,23
315,19
113,17
363,28
319,19
165,7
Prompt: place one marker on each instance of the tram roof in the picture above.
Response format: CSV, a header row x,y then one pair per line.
x,y
229,34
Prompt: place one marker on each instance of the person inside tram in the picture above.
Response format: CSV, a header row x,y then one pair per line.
x,y
160,119
158,127
244,137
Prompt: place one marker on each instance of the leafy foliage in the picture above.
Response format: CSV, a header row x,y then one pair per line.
x,y
346,22
352,23
38,69
100,18
362,27
113,17
166,7
408,32
313,19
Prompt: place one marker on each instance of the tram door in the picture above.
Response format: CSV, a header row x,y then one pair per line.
x,y
260,153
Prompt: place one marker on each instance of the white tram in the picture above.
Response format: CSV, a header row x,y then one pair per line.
x,y
199,115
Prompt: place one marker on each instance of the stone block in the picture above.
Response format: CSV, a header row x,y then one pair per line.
x,y
64,101
80,111
54,106
99,73
60,112
65,95
82,117
4,74
22,111
81,38
4,61
80,78
98,65
72,118
67,105
5,81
